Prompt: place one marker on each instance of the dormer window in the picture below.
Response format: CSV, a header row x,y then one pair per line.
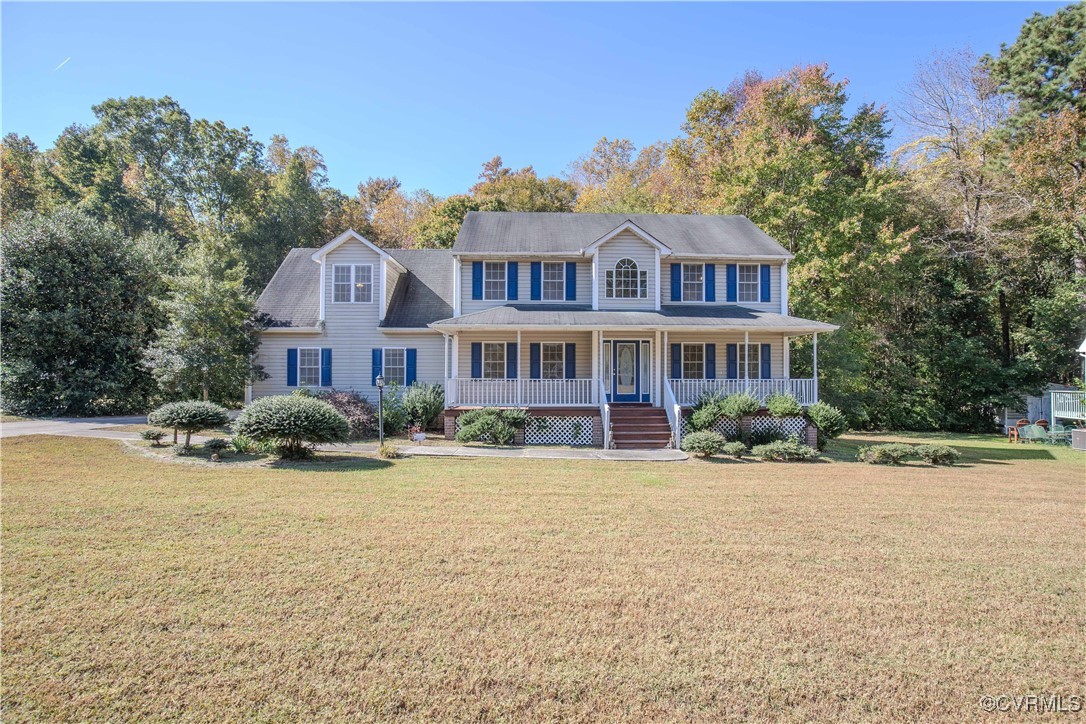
x,y
627,281
352,283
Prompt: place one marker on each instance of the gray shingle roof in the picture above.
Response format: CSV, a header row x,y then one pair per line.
x,y
425,293
556,233
292,297
566,316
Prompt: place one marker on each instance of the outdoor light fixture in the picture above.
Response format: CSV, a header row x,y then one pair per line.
x,y
380,409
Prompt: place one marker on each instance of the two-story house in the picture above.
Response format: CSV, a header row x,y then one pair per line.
x,y
604,326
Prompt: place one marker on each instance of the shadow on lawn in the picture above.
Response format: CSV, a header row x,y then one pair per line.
x,y
332,463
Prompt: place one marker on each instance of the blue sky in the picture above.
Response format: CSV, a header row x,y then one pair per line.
x,y
428,92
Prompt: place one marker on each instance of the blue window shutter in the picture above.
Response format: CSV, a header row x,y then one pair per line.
x,y
571,360
571,281
477,280
710,282
535,366
326,367
511,360
378,365
733,283
676,282
537,281
676,361
476,360
710,361
765,282
767,368
512,281
412,366
733,361
292,367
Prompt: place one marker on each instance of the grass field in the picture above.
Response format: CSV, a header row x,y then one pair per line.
x,y
488,589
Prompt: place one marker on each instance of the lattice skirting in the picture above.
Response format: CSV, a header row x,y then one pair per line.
x,y
556,430
788,426
559,430
728,428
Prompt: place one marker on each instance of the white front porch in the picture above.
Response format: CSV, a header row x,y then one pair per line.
x,y
687,392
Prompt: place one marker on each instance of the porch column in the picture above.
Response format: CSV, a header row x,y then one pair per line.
x,y
787,358
657,390
445,368
666,367
519,375
746,359
815,367
596,366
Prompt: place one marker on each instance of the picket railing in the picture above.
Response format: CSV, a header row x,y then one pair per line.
x,y
471,392
1069,405
674,414
687,392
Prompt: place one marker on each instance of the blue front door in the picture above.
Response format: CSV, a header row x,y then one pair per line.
x,y
626,371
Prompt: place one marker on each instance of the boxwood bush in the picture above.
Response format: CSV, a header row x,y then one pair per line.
x,y
703,443
781,404
937,454
891,453
189,417
734,449
739,405
490,424
830,421
784,450
292,424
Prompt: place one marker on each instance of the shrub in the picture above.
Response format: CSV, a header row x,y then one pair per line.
x,y
739,405
388,451
937,454
765,435
361,415
490,424
892,453
706,412
242,444
703,443
189,417
182,449
734,449
216,444
154,435
422,403
293,423
395,417
830,421
781,404
784,450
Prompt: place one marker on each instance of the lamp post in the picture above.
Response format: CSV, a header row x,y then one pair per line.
x,y
381,409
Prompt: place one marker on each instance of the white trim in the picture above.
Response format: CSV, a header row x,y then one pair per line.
x,y
704,284
543,281
505,284
505,360
561,346
300,350
354,285
349,235
658,278
292,330
648,328
659,369
384,363
682,361
627,226
383,309
784,287
454,361
408,330
637,280
595,282
324,288
739,285
457,284
786,360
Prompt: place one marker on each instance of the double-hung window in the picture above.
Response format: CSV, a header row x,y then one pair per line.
x,y
309,367
494,280
554,281
494,360
749,283
394,367
352,283
693,282
553,360
693,361
627,281
750,366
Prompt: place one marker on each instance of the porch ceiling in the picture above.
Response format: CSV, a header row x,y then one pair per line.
x,y
669,317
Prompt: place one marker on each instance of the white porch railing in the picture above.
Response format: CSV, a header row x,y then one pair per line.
x,y
520,393
1069,405
687,392
605,414
674,414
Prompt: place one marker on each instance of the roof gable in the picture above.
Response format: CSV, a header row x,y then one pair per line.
x,y
352,235
622,228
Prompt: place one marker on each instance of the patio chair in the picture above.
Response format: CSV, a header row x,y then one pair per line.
x,y
1042,422
1034,433
1014,432
1059,434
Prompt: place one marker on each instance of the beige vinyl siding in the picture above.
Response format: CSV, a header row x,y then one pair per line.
x,y
627,245
392,277
351,332
524,285
722,340
583,340
773,305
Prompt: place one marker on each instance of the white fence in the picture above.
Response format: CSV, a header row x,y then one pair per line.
x,y
1069,405
687,392
674,414
521,393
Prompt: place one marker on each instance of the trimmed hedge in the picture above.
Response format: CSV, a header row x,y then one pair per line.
x,y
292,424
704,443
490,424
830,421
891,453
781,404
785,451
189,417
735,449
937,454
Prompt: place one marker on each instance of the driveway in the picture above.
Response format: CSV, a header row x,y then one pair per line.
x,y
75,426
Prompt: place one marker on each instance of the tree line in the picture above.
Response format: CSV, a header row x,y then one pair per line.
x,y
955,264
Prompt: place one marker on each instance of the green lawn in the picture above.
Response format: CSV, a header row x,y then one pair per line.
x,y
435,588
